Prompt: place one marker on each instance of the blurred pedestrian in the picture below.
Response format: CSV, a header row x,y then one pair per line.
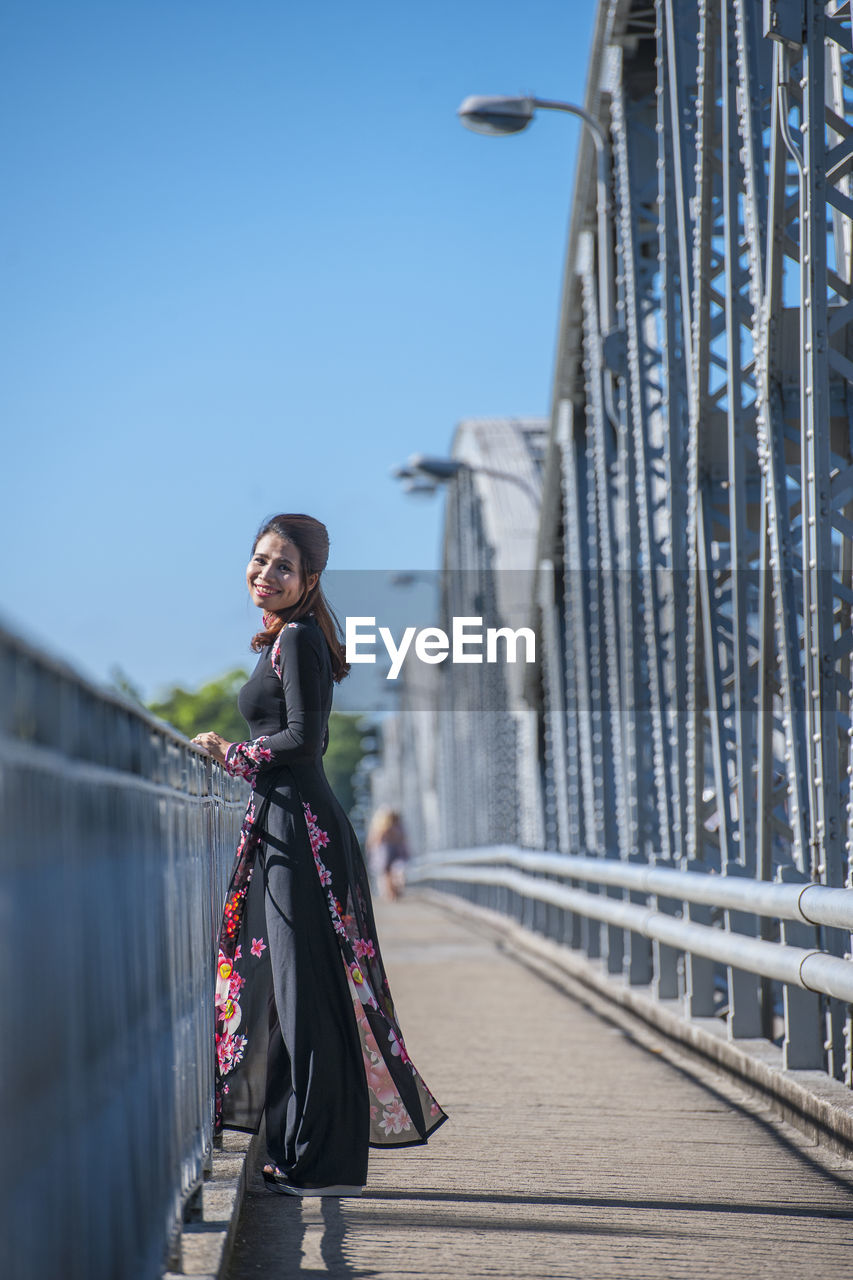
x,y
388,852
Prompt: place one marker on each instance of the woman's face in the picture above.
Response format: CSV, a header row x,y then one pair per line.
x,y
274,574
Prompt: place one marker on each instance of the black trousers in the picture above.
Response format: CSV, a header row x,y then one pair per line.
x,y
316,1100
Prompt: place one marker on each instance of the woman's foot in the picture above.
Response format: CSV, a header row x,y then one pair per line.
x,y
278,1181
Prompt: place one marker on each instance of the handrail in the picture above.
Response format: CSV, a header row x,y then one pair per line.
x,y
810,903
809,969
117,838
114,698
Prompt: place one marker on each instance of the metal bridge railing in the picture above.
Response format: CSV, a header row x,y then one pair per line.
x,y
117,842
671,925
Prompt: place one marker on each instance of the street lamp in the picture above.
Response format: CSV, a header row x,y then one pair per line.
x,y
436,471
499,116
414,482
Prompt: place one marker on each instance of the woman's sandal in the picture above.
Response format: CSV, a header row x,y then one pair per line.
x,y
278,1181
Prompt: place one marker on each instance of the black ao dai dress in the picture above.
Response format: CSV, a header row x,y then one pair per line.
x,y
306,1030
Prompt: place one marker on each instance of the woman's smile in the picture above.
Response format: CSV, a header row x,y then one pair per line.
x,y
274,573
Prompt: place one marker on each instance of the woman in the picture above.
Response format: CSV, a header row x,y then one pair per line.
x,y
306,1031
388,852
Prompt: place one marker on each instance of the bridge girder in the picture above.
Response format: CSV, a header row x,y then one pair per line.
x,y
707,450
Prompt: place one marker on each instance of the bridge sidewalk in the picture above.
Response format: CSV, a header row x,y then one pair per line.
x,y
572,1150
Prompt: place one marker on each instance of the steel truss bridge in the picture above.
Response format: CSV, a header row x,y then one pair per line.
x,y
695,548
668,796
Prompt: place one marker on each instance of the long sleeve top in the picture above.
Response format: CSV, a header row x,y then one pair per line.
x,y
299,661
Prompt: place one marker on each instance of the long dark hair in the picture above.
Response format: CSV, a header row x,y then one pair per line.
x,y
311,539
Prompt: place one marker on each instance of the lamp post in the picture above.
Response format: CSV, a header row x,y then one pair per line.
x,y
498,116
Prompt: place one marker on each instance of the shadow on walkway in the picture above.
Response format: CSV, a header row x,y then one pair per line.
x,y
571,1151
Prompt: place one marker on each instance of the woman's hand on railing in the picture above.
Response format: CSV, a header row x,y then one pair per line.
x,y
214,744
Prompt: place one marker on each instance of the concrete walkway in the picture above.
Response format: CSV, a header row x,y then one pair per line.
x,y
571,1150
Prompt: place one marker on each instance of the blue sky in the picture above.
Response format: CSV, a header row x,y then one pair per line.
x,y
250,260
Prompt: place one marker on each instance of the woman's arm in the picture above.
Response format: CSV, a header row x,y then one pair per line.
x,y
303,736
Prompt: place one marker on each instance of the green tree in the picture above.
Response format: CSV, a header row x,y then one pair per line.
x,y
214,706
343,754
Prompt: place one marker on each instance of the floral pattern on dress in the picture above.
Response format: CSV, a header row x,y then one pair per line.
x,y
232,911
244,759
230,1047
393,1117
275,655
387,1112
